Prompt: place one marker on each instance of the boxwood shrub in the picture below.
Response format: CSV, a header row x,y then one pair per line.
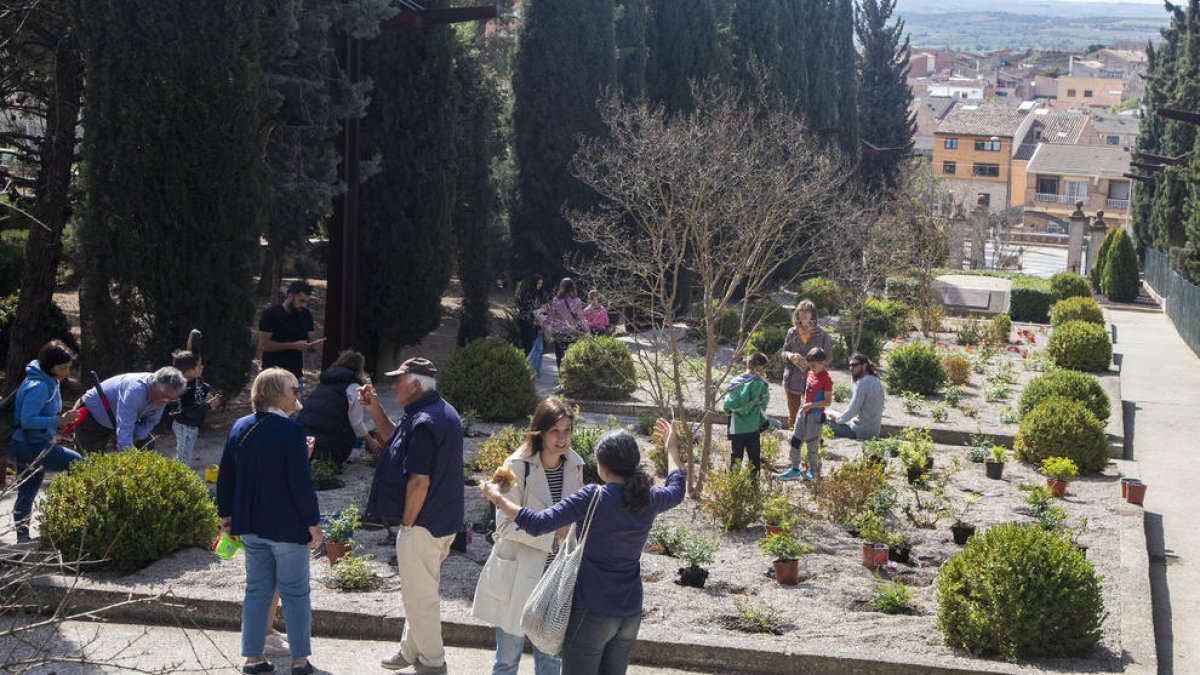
x,y
826,294
769,341
599,368
916,367
1076,309
1062,427
491,377
1070,384
125,510
1030,300
1080,345
1017,590
1070,285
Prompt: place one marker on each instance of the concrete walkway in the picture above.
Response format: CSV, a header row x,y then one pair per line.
x,y
1160,384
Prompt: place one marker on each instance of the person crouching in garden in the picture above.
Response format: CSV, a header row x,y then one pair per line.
x,y
126,408
266,496
863,417
546,469
746,403
36,414
607,610
810,420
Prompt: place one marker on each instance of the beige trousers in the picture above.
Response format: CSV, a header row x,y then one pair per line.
x,y
419,556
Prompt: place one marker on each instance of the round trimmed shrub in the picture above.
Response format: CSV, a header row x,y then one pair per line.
x,y
914,367
826,294
1080,345
1070,285
769,341
1076,309
1018,590
1062,427
599,368
491,377
766,313
125,510
1119,281
1070,384
958,369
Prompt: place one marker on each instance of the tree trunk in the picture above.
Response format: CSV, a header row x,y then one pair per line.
x,y
51,207
270,276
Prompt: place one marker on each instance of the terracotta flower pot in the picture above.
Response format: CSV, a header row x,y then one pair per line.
x,y
773,529
1137,492
995,470
787,572
334,550
1125,486
1058,487
874,555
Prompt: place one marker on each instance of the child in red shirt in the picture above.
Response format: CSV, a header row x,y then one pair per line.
x,y
818,394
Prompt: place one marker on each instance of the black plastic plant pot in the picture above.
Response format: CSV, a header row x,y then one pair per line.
x,y
995,470
962,533
693,576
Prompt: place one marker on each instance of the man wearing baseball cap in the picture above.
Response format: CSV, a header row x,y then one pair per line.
x,y
418,481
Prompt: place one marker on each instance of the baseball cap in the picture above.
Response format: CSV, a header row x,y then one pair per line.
x,y
415,366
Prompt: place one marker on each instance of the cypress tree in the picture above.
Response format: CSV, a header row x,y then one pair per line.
x,y
844,64
756,49
1119,278
1150,133
1096,274
884,97
406,240
818,99
566,59
172,171
1182,91
791,73
681,38
631,47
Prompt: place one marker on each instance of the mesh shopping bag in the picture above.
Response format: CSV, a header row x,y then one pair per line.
x,y
549,606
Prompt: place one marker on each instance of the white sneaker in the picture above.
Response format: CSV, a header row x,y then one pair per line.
x,y
396,662
277,645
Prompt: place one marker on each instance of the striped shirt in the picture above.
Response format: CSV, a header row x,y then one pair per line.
x,y
555,479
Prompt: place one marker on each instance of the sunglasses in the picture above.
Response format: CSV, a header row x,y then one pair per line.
x,y
855,365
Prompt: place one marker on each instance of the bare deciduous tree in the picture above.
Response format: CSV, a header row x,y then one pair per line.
x,y
733,193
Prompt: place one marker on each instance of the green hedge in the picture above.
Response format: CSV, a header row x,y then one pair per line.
x,y
1017,590
1030,300
1062,427
1070,384
1076,309
490,377
1070,285
126,510
1080,345
915,366
598,368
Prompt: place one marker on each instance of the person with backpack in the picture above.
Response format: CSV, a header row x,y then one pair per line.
x,y
36,419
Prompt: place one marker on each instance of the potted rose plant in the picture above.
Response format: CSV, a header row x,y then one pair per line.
x,y
1058,472
339,529
787,551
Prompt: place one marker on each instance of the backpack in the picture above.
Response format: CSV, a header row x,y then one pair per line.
x,y
8,423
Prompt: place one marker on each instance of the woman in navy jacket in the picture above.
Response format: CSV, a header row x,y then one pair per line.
x,y
265,496
37,419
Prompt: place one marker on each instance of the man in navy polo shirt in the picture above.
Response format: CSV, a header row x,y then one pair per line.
x,y
419,482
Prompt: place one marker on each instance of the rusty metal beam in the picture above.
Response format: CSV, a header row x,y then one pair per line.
x,y
1179,115
406,21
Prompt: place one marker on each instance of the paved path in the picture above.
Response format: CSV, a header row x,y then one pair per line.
x,y
1160,377
159,649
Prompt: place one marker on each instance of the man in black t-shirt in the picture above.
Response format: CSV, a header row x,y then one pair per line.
x,y
286,331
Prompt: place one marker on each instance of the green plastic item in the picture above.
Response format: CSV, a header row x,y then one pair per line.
x,y
226,545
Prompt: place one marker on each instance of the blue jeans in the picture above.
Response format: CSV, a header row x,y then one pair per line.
x,y
270,564
535,356
598,645
842,430
185,441
508,656
32,473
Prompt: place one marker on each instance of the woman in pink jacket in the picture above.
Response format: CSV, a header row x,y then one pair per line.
x,y
566,320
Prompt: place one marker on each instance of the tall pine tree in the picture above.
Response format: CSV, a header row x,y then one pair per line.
x,y
884,97
566,60
174,203
681,38
406,245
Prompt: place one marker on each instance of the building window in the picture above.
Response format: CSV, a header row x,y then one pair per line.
x,y
951,144
989,170
987,146
983,199
949,167
1047,185
1112,140
1076,191
1070,93
1087,93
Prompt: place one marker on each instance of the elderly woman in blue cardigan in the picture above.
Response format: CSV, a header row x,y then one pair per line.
x,y
265,496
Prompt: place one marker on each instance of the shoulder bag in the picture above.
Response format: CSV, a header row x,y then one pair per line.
x,y
549,606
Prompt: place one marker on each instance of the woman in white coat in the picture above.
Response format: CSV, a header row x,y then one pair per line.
x,y
545,470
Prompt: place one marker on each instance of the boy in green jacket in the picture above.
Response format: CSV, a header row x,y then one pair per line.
x,y
746,402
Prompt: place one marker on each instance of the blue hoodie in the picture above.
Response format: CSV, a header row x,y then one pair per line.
x,y
38,404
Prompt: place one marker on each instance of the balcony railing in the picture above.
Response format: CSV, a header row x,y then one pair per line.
x,y
1118,203
1058,199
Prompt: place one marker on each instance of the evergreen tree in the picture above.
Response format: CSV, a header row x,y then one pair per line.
x,y
884,97
482,149
406,249
566,60
1171,194
843,62
1119,278
173,175
818,100
791,72
681,38
1150,133
631,47
756,49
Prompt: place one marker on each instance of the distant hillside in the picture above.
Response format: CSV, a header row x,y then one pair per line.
x,y
1041,24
